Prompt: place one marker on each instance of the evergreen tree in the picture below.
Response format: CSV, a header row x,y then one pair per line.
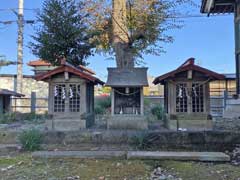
x,y
62,33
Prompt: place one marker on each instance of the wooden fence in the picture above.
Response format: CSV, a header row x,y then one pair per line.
x,y
31,104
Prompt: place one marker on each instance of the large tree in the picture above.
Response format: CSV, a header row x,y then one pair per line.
x,y
132,28
62,33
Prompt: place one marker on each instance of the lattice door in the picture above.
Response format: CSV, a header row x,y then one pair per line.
x,y
59,98
66,98
181,98
197,98
74,98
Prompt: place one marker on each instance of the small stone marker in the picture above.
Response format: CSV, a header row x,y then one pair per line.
x,y
181,156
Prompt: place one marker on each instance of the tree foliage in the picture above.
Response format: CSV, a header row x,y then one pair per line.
x,y
62,33
5,62
148,23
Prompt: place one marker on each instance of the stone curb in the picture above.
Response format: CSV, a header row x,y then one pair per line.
x,y
180,156
132,155
80,154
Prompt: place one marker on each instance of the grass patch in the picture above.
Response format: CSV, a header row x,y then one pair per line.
x,y
88,169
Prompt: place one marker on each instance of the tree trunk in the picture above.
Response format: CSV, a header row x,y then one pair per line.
x,y
123,54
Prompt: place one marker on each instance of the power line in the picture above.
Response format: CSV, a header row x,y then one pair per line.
x,y
27,9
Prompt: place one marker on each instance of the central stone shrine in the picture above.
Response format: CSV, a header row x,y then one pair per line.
x,y
127,100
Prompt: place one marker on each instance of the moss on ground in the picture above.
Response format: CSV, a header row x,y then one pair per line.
x,y
24,167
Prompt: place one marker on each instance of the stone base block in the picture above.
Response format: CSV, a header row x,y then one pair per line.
x,y
65,124
127,122
190,124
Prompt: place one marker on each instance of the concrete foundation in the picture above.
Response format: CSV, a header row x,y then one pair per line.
x,y
65,124
232,109
187,124
127,122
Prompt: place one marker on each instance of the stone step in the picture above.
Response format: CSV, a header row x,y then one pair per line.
x,y
6,149
179,156
142,155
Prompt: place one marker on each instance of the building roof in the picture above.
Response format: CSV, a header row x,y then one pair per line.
x,y
133,77
230,76
10,93
40,62
186,66
217,6
66,67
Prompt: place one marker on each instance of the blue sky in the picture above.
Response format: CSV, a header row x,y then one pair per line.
x,y
208,39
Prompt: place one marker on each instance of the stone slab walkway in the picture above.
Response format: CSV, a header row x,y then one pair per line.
x,y
143,155
80,154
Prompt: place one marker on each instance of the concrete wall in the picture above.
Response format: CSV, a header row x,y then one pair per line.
x,y
29,85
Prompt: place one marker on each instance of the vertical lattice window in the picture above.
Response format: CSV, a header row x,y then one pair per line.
x,y
181,98
59,97
74,98
197,98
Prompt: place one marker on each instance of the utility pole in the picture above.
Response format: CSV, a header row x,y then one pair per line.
x,y
20,47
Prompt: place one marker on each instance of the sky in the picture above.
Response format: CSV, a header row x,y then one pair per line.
x,y
210,40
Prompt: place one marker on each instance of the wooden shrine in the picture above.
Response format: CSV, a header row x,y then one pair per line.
x,y
186,91
71,96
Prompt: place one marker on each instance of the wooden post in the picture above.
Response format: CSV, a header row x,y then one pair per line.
x,y
225,96
142,101
33,102
112,101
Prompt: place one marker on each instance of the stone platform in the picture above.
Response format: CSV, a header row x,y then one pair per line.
x,y
193,125
143,155
136,122
65,124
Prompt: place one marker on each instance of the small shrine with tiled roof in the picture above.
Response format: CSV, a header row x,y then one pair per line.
x,y
71,94
186,91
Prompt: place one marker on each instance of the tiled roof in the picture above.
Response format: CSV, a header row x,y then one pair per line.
x,y
39,63
127,77
10,93
66,67
45,63
189,65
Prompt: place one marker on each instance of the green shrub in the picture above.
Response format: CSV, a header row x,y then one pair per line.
x,y
140,141
102,105
33,117
31,140
99,110
104,102
7,118
158,111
